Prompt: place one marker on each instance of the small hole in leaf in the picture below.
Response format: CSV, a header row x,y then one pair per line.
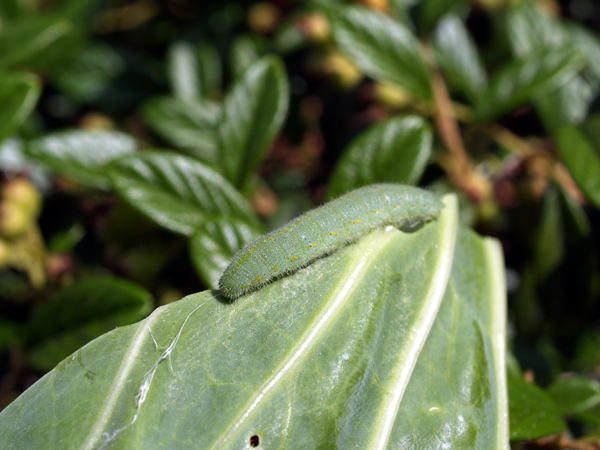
x,y
254,441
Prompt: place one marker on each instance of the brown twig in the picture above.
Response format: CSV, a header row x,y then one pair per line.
x,y
458,166
525,149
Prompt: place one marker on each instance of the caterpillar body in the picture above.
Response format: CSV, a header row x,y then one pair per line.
x,y
323,230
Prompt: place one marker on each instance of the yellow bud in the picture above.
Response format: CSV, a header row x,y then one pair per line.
x,y
14,220
316,27
392,95
96,121
263,17
4,254
22,193
342,70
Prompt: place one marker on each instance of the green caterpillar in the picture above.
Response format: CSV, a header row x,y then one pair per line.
x,y
323,230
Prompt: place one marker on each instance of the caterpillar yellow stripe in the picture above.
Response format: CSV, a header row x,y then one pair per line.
x,y
323,230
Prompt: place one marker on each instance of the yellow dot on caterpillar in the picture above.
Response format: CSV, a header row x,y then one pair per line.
x,y
335,233
328,234
257,278
357,220
275,267
314,245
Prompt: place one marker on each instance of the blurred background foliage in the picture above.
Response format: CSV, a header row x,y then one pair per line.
x,y
143,142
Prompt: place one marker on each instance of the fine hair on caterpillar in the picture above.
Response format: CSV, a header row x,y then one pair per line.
x,y
323,230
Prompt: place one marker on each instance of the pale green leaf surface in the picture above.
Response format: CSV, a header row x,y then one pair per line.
x,y
82,312
382,48
581,159
214,243
182,67
81,154
523,80
457,56
253,113
334,356
187,124
176,191
19,93
396,151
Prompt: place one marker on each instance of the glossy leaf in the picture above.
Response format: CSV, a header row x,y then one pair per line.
x,y
253,113
568,104
81,154
432,10
523,80
533,413
457,56
396,150
81,313
19,93
382,48
214,243
531,31
186,124
575,394
35,41
177,192
549,246
353,350
582,160
182,67
88,75
244,53
209,69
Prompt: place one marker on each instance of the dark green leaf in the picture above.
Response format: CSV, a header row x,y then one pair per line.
x,y
19,93
209,69
575,394
458,58
253,113
84,78
214,243
522,80
533,32
81,313
244,53
35,41
581,159
186,124
568,104
81,154
382,48
396,150
354,351
432,10
533,413
549,246
588,44
182,67
177,192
